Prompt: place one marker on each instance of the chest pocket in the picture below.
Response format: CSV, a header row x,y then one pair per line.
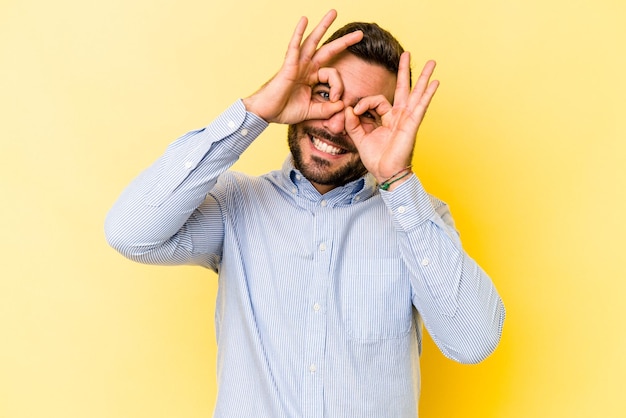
x,y
375,297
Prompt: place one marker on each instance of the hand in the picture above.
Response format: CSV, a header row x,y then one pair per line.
x,y
286,98
388,148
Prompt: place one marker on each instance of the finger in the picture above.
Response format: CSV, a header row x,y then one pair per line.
x,y
354,129
324,110
403,83
378,103
423,83
422,95
331,77
293,49
330,50
312,41
424,101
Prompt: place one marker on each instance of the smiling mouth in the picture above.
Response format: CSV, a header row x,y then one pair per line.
x,y
325,146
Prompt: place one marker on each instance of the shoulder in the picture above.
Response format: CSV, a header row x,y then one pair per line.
x,y
236,184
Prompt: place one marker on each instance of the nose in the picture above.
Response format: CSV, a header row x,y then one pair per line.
x,y
336,124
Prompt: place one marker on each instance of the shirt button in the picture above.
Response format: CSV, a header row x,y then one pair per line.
x,y
231,124
323,203
316,307
357,198
312,368
425,262
322,247
244,132
294,190
298,177
401,209
188,164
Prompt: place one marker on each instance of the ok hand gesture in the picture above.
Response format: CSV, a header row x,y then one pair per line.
x,y
286,98
388,149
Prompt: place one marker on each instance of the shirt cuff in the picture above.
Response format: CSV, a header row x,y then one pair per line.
x,y
409,204
236,128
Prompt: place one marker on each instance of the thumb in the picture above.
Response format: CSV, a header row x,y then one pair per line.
x,y
353,126
324,110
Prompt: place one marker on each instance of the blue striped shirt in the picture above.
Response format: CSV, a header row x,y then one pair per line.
x,y
321,298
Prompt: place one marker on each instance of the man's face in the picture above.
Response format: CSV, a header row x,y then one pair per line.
x,y
321,149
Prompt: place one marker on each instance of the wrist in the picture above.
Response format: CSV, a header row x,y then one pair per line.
x,y
250,105
395,179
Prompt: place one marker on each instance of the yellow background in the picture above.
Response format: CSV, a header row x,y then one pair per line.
x,y
525,141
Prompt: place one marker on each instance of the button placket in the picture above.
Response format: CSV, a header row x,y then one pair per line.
x,y
316,325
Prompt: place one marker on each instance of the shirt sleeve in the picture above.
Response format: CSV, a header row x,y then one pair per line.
x,y
164,215
457,300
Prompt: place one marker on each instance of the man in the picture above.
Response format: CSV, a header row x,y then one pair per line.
x,y
329,266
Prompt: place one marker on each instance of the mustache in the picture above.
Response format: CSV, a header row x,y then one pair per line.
x,y
339,140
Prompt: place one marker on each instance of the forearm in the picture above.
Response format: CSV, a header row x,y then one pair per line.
x,y
461,308
459,303
155,218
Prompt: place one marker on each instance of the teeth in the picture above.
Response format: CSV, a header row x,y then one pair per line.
x,y
324,147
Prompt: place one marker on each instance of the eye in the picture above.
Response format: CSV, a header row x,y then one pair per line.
x,y
370,120
321,92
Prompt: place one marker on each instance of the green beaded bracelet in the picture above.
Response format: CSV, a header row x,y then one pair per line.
x,y
387,183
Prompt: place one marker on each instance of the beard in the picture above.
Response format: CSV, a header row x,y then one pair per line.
x,y
318,170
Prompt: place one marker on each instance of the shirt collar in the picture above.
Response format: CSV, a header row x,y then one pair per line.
x,y
356,191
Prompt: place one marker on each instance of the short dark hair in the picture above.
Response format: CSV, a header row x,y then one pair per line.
x,y
378,46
